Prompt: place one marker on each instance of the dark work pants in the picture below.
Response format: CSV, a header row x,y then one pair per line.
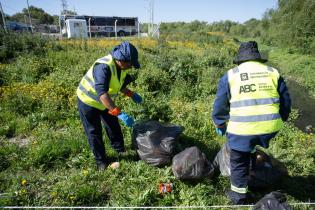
x,y
240,166
91,119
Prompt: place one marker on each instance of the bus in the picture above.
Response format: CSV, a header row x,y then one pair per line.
x,y
104,26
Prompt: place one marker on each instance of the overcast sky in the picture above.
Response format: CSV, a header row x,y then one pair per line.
x,y
164,10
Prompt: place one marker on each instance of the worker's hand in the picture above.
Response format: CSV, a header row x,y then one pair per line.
x,y
220,130
136,98
127,120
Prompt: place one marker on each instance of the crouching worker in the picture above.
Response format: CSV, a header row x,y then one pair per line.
x,y
96,93
252,101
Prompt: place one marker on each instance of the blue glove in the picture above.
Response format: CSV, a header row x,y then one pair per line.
x,y
221,130
137,98
128,120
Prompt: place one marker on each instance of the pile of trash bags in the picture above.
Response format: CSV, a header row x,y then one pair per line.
x,y
155,143
267,170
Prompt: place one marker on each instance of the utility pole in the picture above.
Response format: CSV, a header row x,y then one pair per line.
x,y
151,22
64,6
25,20
152,15
3,19
29,15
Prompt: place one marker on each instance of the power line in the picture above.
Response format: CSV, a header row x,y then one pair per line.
x,y
9,8
3,19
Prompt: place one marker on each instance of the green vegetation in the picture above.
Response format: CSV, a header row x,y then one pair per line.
x,y
296,67
44,155
291,26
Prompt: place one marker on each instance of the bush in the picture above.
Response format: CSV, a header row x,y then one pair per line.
x,y
13,44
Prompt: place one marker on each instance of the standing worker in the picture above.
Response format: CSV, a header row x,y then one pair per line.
x,y
252,101
96,93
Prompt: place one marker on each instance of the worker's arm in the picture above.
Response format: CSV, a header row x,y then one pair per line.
x,y
102,75
126,91
135,96
285,100
107,101
221,106
128,79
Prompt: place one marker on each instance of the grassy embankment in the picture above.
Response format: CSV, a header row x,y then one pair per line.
x,y
44,155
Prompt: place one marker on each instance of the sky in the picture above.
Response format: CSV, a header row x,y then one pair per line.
x,y
164,10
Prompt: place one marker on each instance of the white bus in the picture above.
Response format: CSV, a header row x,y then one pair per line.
x,y
104,26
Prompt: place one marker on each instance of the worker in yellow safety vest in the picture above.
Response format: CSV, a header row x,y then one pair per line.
x,y
252,101
106,78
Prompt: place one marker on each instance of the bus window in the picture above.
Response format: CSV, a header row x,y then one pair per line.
x,y
130,22
99,22
110,22
121,22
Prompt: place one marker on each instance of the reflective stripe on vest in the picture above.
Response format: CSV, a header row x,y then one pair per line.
x,y
95,97
254,103
255,118
86,90
242,190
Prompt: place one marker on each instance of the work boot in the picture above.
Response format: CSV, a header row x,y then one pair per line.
x,y
102,166
239,198
122,154
236,198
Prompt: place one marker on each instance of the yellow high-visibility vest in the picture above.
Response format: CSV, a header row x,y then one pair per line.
x,y
86,90
254,103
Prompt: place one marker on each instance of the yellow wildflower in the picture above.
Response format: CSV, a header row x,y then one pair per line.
x,y
23,182
85,172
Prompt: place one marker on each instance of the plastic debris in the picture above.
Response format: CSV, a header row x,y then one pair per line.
x,y
165,188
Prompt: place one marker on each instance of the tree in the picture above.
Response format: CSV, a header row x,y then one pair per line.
x,y
293,24
68,12
39,16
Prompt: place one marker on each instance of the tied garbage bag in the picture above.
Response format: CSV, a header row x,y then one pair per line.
x,y
272,201
265,172
191,164
155,141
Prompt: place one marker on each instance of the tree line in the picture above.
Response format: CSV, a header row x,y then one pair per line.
x,y
291,25
38,15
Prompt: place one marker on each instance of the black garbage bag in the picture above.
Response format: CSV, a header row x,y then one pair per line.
x,y
267,170
155,141
222,160
272,201
191,164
